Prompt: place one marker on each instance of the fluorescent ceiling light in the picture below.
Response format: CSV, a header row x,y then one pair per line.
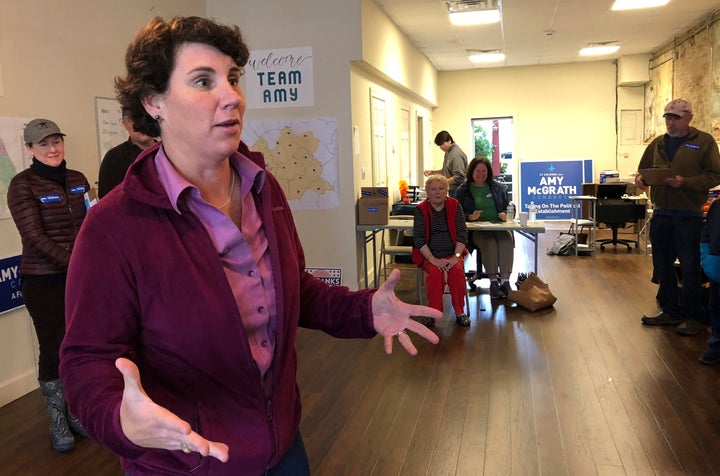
x,y
635,4
480,17
492,56
473,12
599,49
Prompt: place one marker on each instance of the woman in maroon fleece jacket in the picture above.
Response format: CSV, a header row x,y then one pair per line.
x,y
188,282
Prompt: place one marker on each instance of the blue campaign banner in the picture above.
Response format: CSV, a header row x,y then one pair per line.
x,y
10,293
550,184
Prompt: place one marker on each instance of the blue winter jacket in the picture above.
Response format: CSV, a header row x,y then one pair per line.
x,y
710,243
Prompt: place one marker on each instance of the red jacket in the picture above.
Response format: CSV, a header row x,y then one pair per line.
x,y
146,282
451,206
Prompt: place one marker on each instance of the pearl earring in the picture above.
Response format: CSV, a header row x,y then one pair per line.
x,y
157,117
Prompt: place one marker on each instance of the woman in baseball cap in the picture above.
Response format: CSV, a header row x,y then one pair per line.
x,y
47,204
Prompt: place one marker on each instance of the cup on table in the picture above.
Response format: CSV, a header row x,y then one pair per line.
x,y
523,218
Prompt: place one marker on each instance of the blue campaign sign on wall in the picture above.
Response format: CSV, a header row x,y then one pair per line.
x,y
10,293
550,184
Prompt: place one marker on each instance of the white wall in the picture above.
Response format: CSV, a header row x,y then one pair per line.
x,y
564,111
395,71
347,32
389,51
628,155
332,29
56,57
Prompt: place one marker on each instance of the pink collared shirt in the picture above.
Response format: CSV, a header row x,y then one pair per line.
x,y
244,253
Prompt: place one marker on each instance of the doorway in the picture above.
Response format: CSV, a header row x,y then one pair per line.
x,y
494,138
379,143
417,176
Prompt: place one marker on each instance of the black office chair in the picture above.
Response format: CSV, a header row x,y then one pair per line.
x,y
617,213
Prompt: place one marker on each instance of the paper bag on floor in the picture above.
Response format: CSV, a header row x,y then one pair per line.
x,y
533,294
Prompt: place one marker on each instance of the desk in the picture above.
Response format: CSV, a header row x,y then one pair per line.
x,y
529,231
586,212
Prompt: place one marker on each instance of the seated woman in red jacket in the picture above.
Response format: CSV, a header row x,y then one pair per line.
x,y
439,239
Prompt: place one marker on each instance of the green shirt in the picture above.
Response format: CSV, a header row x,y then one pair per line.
x,y
484,201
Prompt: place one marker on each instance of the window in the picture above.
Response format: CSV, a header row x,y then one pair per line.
x,y
494,138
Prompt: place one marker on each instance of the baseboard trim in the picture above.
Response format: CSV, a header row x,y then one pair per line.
x,y
19,386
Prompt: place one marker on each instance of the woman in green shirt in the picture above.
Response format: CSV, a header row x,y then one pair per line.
x,y
484,199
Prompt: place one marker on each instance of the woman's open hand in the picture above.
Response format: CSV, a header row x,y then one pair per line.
x,y
151,426
391,317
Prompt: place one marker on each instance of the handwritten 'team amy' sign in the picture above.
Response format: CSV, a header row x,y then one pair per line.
x,y
279,78
10,282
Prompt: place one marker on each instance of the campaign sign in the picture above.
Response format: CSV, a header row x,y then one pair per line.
x,y
10,293
550,184
281,77
332,276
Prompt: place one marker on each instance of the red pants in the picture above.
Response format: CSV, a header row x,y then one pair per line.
x,y
435,285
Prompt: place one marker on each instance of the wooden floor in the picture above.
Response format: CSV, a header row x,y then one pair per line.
x,y
579,389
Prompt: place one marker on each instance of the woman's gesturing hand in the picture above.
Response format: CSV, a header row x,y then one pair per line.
x,y
391,317
151,426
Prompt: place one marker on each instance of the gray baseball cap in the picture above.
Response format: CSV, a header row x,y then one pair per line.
x,y
38,129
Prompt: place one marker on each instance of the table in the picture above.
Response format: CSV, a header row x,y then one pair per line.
x,y
529,231
577,221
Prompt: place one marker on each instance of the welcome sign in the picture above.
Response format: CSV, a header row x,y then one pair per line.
x,y
550,184
10,281
280,78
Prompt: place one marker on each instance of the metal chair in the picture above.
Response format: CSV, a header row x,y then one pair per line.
x,y
446,290
389,254
476,274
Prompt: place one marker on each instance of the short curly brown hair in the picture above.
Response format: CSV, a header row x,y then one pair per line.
x,y
150,60
474,164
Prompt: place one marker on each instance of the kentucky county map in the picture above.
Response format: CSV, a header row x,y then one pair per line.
x,y
302,155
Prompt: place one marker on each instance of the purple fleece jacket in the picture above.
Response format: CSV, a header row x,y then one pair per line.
x,y
146,283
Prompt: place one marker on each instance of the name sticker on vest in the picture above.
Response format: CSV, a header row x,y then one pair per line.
x,y
54,198
692,146
77,189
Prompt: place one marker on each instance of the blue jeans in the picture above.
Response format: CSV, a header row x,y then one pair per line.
x,y
678,237
294,462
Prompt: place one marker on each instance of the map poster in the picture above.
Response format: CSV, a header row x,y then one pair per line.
x,y
550,184
280,78
14,157
303,155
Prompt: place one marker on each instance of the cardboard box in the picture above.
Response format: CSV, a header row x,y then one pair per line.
x,y
373,206
609,176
